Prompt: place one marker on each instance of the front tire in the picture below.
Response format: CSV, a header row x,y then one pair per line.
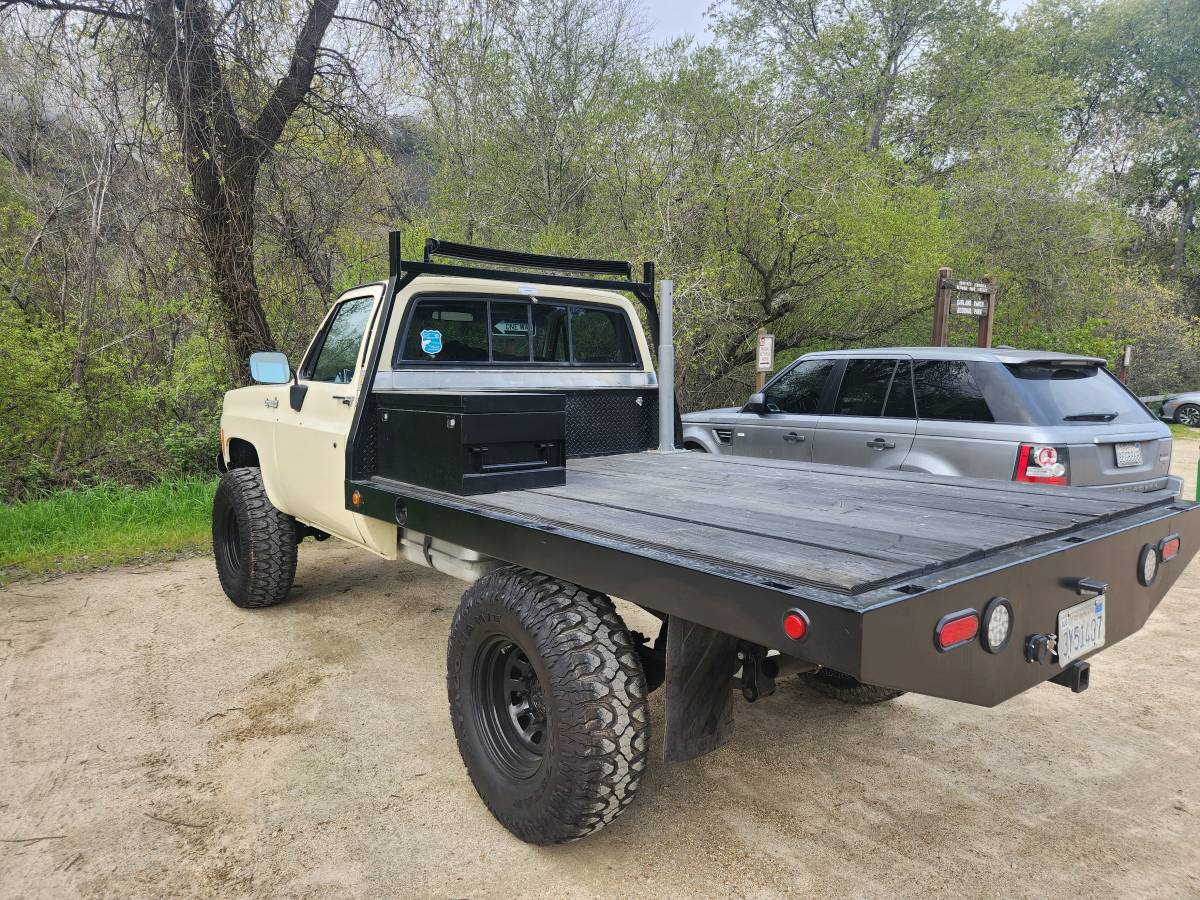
x,y
548,700
1188,414
846,688
253,542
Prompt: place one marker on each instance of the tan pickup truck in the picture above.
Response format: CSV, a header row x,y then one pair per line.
x,y
499,419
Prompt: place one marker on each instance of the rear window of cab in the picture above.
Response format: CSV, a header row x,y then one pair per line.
x,y
456,330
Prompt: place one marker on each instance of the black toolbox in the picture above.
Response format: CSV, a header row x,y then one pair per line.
x,y
474,443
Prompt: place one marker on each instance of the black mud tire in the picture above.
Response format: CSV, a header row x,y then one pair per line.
x,y
253,542
846,688
1188,414
574,765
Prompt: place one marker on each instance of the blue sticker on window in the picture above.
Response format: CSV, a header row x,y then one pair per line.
x,y
431,341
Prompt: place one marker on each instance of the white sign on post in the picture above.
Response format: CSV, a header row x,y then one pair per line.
x,y
970,304
766,352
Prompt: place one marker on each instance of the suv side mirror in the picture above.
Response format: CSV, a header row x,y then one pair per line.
x,y
756,404
270,368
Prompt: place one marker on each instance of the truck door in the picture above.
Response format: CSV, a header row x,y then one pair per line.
x,y
787,430
873,420
310,443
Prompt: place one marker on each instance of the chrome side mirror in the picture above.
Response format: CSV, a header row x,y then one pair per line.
x,y
270,368
756,404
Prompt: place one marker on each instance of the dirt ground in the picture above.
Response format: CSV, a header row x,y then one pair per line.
x,y
156,741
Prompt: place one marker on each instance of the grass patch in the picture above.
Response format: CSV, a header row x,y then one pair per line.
x,y
72,530
1183,433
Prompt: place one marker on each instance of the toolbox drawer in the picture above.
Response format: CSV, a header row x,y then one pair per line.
x,y
472,443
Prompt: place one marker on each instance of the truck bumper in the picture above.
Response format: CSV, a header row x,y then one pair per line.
x,y
898,637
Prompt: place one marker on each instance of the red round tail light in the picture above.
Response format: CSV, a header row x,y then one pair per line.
x,y
795,625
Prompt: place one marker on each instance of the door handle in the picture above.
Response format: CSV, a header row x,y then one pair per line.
x,y
345,398
792,438
271,403
881,444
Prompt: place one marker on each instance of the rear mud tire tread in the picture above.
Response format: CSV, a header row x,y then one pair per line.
x,y
596,689
269,548
847,689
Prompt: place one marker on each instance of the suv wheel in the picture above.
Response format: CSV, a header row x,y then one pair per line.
x,y
548,701
1188,414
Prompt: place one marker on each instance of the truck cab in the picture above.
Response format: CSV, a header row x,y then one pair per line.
x,y
444,334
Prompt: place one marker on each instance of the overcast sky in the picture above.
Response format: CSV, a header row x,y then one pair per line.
x,y
674,18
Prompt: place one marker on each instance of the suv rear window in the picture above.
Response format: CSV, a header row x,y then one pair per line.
x,y
947,390
454,330
1072,394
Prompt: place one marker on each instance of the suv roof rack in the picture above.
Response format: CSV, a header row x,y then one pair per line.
x,y
588,271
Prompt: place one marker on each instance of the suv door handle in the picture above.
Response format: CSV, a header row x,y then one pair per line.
x,y
792,438
345,398
881,444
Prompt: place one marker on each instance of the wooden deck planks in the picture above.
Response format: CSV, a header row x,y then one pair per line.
x,y
847,530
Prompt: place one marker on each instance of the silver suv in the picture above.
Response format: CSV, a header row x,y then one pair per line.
x,y
1018,415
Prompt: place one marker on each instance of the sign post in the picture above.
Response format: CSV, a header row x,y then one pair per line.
x,y
1126,362
964,298
766,359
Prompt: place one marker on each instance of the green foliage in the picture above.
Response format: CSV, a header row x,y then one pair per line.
x,y
806,172
103,525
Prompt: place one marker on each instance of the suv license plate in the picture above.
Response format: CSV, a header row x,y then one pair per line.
x,y
1129,454
1081,629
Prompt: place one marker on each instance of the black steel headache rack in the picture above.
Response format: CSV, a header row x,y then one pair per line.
x,y
532,268
522,268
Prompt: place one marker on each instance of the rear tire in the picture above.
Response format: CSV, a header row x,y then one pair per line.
x,y
1188,414
253,542
846,688
548,701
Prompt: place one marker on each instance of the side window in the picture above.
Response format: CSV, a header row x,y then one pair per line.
x,y
338,355
864,387
899,404
510,332
946,389
799,390
448,331
600,337
550,343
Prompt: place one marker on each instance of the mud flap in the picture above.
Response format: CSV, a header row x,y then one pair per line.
x,y
700,667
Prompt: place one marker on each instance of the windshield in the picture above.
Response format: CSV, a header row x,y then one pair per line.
x,y
1075,394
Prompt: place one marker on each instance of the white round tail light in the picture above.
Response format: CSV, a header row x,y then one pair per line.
x,y
997,624
1147,569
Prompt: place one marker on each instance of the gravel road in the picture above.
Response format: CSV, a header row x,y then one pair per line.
x,y
157,741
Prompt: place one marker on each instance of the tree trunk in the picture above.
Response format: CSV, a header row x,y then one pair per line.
x,y
227,229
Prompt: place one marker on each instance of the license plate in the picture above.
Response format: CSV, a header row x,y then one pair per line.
x,y
1081,629
1129,454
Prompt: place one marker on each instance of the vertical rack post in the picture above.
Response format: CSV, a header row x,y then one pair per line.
x,y
666,368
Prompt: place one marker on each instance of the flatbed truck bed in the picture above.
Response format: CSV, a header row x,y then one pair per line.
x,y
734,543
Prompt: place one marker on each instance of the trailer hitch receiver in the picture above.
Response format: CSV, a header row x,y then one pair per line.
x,y
1076,676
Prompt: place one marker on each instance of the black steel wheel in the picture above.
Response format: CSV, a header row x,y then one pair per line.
x,y
1188,414
254,544
511,712
548,700
847,688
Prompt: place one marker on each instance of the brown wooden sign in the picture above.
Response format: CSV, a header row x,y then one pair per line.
x,y
963,298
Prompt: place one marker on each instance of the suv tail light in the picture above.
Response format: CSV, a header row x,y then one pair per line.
x,y
1042,464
